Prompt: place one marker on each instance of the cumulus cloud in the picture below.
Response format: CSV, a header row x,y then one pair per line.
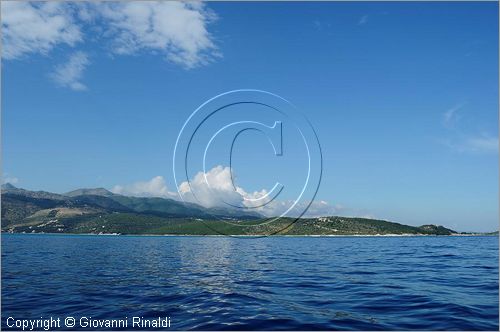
x,y
36,27
156,187
222,190
69,74
215,188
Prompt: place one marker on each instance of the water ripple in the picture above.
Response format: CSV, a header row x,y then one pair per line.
x,y
216,283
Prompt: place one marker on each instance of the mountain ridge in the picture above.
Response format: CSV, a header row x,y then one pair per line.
x,y
89,191
19,204
97,210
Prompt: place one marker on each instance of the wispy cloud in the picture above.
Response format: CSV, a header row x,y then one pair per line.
x,y
482,144
69,74
475,144
452,116
363,20
465,141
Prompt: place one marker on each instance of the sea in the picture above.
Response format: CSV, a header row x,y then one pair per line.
x,y
228,283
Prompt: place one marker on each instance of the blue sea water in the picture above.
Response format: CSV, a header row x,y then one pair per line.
x,y
288,283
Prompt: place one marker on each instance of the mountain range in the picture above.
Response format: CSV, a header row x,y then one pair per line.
x,y
99,211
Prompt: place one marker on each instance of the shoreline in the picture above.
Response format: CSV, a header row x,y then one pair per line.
x,y
249,236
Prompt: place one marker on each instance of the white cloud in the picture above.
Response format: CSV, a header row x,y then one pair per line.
x,y
156,187
69,74
175,29
221,190
36,27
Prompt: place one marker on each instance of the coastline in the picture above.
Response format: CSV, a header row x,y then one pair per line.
x,y
251,236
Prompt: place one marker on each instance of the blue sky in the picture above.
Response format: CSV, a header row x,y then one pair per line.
x,y
403,97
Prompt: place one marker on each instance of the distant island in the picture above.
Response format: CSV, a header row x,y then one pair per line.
x,y
99,211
